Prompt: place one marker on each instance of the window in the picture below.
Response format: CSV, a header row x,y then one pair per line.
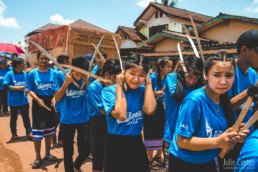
x,y
189,27
160,14
156,29
157,15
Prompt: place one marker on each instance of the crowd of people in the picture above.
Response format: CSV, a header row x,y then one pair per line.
x,y
186,118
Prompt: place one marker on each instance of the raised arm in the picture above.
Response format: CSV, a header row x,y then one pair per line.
x,y
61,92
150,104
120,109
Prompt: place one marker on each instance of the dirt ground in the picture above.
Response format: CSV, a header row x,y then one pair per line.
x,y
18,155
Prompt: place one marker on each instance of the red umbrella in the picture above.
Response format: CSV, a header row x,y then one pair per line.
x,y
11,48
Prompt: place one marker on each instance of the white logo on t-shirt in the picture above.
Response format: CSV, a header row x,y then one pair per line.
x,y
132,118
42,86
75,93
208,128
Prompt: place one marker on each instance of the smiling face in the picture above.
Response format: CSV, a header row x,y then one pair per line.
x,y
220,77
135,77
167,67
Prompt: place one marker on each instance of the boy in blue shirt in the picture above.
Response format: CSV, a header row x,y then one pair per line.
x,y
16,82
4,68
61,59
245,77
74,115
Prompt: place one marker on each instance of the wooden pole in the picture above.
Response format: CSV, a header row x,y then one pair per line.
x,y
197,37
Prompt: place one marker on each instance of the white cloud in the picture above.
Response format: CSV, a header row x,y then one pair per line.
x,y
57,18
144,3
7,22
2,8
253,8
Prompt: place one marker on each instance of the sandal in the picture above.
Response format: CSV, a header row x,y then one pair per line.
x,y
154,166
159,160
36,164
51,158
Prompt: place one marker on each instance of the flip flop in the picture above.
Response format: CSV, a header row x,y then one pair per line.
x,y
36,164
51,158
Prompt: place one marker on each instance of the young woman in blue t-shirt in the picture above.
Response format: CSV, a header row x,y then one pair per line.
x,y
42,86
124,149
177,87
15,82
153,126
98,123
204,116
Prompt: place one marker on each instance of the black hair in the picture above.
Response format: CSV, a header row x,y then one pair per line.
x,y
135,59
112,66
17,61
104,55
38,54
162,61
194,65
60,59
224,98
81,62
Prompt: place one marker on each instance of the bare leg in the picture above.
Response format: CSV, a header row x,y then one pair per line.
x,y
152,163
150,155
48,146
37,146
158,154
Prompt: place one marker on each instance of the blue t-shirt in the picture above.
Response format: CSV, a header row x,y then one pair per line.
x,y
171,106
60,76
241,83
42,83
73,106
198,116
2,75
248,158
16,98
94,70
94,103
56,68
155,85
132,126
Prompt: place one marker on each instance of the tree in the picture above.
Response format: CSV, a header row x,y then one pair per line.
x,y
170,3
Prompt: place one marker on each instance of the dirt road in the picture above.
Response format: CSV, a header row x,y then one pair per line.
x,y
18,155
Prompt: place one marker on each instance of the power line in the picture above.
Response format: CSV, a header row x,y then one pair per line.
x,y
230,5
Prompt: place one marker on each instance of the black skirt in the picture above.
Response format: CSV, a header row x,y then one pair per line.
x,y
125,154
98,133
153,125
178,165
41,117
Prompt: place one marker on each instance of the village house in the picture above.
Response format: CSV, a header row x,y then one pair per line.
x,y
74,39
163,28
